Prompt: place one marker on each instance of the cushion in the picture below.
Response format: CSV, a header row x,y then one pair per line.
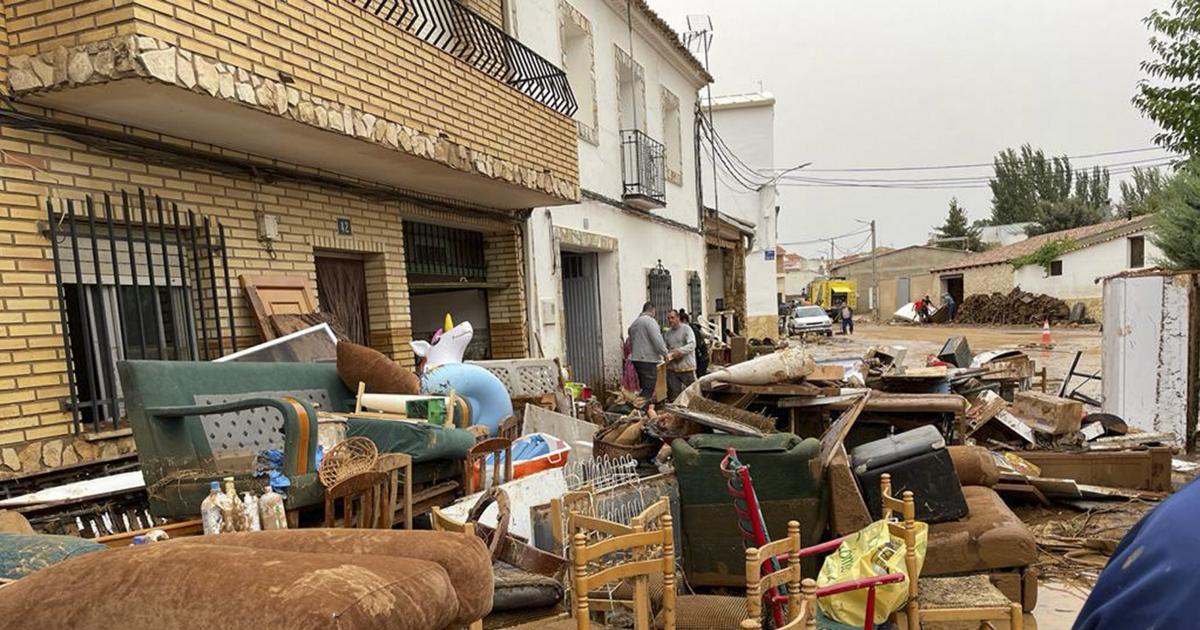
x,y
181,585
975,465
382,375
706,612
990,537
465,559
522,590
965,591
23,554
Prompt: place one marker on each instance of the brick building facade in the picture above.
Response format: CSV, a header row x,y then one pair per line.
x,y
343,126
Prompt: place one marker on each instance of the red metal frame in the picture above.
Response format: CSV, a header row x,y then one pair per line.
x,y
756,536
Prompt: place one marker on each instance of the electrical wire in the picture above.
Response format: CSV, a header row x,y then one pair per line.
x,y
811,182
826,239
974,179
880,169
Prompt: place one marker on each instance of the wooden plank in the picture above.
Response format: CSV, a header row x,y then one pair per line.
x,y
1022,490
1124,442
814,401
193,527
1148,470
779,389
277,295
824,372
840,427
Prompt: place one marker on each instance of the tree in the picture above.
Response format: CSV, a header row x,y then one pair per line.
x,y
1144,194
956,227
1055,216
1177,223
1173,100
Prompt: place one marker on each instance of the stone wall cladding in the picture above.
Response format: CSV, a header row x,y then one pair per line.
x,y
150,58
35,166
987,279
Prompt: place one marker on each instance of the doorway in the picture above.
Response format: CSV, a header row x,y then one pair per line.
x,y
954,286
903,290
342,292
581,318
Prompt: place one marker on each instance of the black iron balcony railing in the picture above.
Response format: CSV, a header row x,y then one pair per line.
x,y
461,32
643,164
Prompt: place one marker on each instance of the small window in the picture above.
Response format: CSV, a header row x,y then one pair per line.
x,y
672,137
579,64
1137,252
631,96
1056,268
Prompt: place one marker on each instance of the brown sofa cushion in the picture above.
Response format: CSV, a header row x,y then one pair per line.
x,y
991,537
382,375
974,465
178,585
465,559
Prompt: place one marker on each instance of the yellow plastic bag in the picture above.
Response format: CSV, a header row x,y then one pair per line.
x,y
871,552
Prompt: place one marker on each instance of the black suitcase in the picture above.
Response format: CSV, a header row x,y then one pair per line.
x,y
894,448
932,479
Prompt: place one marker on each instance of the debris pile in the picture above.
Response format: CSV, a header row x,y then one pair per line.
x,y
1014,307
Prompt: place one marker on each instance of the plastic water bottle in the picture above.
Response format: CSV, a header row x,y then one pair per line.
x,y
250,507
210,510
232,510
270,510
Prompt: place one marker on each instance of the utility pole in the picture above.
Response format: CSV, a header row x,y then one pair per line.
x,y
874,273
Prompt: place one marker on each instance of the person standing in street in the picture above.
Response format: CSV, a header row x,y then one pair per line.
x,y
648,350
701,347
847,317
950,304
681,358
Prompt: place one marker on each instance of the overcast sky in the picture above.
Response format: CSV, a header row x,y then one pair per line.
x,y
880,83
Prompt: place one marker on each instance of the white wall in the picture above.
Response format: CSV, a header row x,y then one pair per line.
x,y
640,241
746,124
1082,267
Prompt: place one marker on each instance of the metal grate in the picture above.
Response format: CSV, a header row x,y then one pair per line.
x,y
455,29
435,250
658,291
643,165
695,295
132,280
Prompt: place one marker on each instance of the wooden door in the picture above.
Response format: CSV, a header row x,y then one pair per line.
x,y
342,289
277,295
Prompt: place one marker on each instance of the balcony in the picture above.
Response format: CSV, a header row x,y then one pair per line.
x,y
643,166
424,95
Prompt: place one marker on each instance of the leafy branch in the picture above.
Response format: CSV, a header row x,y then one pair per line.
x,y
1046,254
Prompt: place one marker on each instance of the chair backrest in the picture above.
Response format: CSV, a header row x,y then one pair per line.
x,y
443,523
399,492
906,528
641,548
362,496
649,519
502,449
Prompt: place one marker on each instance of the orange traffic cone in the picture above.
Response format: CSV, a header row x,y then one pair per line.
x,y
1046,333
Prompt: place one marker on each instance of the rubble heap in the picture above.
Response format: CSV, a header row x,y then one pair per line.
x,y
1015,307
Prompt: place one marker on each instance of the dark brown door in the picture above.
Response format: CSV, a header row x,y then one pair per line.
x,y
342,291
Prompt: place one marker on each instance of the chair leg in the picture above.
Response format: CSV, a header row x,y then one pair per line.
x,y
476,625
1016,620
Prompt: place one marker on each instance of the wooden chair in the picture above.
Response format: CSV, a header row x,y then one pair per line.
x,y
915,613
395,465
801,594
502,448
641,548
443,523
366,490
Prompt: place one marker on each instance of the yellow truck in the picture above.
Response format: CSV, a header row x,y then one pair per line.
x,y
830,294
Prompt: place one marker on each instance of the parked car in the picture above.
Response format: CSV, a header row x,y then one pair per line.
x,y
809,319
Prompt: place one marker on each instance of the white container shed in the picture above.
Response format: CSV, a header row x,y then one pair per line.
x,y
1151,354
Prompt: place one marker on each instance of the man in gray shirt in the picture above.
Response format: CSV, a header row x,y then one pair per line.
x,y
648,349
681,360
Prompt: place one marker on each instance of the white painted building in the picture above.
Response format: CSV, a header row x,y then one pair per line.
x,y
637,231
1001,235
745,128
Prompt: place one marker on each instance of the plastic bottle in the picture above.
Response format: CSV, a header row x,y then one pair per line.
x,y
210,510
235,513
270,510
250,506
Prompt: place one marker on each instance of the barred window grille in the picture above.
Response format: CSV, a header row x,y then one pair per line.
x,y
695,296
438,251
658,291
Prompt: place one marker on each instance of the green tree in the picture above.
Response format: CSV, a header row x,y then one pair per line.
x,y
965,235
1177,222
1055,216
1170,96
1144,193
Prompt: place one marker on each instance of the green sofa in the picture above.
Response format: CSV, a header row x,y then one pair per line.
x,y
194,422
786,474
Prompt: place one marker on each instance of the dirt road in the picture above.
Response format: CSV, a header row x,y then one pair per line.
x,y
925,340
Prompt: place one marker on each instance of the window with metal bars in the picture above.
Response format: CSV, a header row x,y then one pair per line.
x,y
658,291
695,296
444,252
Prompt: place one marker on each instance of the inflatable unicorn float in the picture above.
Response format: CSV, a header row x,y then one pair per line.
x,y
442,369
